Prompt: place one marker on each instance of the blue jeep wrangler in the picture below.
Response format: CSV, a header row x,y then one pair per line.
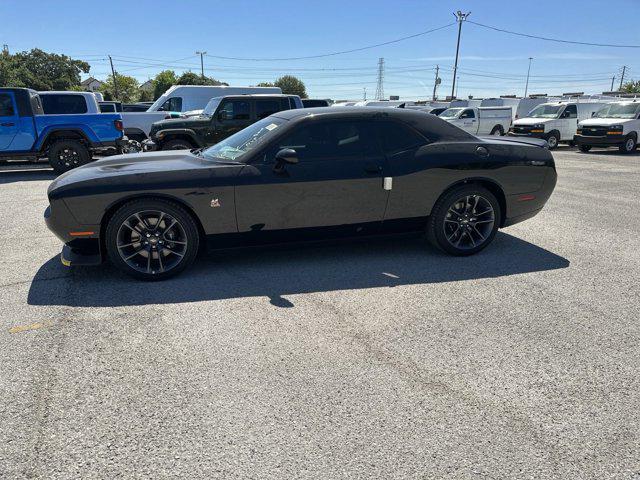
x,y
68,141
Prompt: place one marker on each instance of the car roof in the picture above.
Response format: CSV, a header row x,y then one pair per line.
x,y
426,123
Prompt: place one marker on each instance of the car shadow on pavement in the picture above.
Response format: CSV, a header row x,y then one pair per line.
x,y
275,273
13,176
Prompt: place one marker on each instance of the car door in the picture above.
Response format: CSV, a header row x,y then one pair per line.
x,y
338,180
231,116
569,122
8,120
469,122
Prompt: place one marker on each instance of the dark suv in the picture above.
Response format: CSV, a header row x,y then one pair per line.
x,y
221,118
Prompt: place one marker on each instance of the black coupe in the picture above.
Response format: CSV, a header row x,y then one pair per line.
x,y
298,175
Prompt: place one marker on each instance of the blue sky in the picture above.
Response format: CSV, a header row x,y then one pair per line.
x,y
146,36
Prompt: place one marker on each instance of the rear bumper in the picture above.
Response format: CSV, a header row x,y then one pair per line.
x,y
521,207
599,141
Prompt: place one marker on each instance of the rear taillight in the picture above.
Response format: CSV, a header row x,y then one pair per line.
x,y
118,125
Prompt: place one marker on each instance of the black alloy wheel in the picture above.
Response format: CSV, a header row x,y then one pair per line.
x,y
152,239
464,221
177,144
65,155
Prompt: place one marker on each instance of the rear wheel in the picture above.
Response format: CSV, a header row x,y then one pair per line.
x,y
177,144
553,139
152,239
497,130
67,154
464,220
629,144
584,148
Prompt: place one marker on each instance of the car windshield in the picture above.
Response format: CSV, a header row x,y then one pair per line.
x,y
211,107
546,111
244,141
619,110
451,112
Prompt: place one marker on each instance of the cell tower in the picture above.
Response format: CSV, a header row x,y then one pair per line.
x,y
380,86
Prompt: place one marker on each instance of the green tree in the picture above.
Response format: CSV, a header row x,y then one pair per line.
x,y
631,87
190,78
127,88
162,82
145,96
291,86
40,70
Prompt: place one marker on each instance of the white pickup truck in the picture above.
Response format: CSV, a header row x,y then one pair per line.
x,y
616,125
480,120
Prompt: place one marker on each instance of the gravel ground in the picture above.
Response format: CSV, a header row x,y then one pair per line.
x,y
376,360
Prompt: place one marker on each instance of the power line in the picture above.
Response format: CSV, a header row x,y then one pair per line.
x,y
337,53
557,40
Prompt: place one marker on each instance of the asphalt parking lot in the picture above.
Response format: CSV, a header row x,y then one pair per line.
x,y
374,360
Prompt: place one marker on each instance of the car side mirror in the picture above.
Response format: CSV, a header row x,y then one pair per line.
x,y
223,115
287,155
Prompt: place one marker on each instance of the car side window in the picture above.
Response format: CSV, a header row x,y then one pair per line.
x,y
64,104
173,104
235,110
571,111
327,141
397,138
468,114
264,108
6,106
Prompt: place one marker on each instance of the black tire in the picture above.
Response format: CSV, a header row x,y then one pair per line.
x,y
131,246
584,148
553,139
65,155
177,144
442,222
629,145
497,130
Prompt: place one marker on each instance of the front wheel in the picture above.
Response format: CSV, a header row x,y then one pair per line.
x,y
629,144
67,154
584,148
152,239
553,139
497,130
177,144
464,221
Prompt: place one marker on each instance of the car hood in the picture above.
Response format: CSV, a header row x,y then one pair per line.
x,y
531,121
605,122
113,169
191,122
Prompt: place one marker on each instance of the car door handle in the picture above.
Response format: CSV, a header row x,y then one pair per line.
x,y
7,124
373,169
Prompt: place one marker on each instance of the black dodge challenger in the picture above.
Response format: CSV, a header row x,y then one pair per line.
x,y
297,175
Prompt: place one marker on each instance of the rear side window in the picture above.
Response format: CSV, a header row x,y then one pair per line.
x,y
398,138
264,108
6,106
63,104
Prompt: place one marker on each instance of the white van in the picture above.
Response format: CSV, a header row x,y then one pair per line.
x,y
555,122
183,98
479,120
616,125
520,106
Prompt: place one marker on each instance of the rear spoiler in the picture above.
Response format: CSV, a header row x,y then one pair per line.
x,y
537,142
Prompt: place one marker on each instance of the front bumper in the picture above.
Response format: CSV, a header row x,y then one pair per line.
x,y
527,134
607,141
81,242
149,145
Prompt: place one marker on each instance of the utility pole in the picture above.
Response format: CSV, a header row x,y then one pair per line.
x,y
380,86
624,69
526,88
461,17
364,97
437,82
457,85
613,79
202,54
115,81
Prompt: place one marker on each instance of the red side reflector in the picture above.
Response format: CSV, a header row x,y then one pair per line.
x,y
80,234
526,198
